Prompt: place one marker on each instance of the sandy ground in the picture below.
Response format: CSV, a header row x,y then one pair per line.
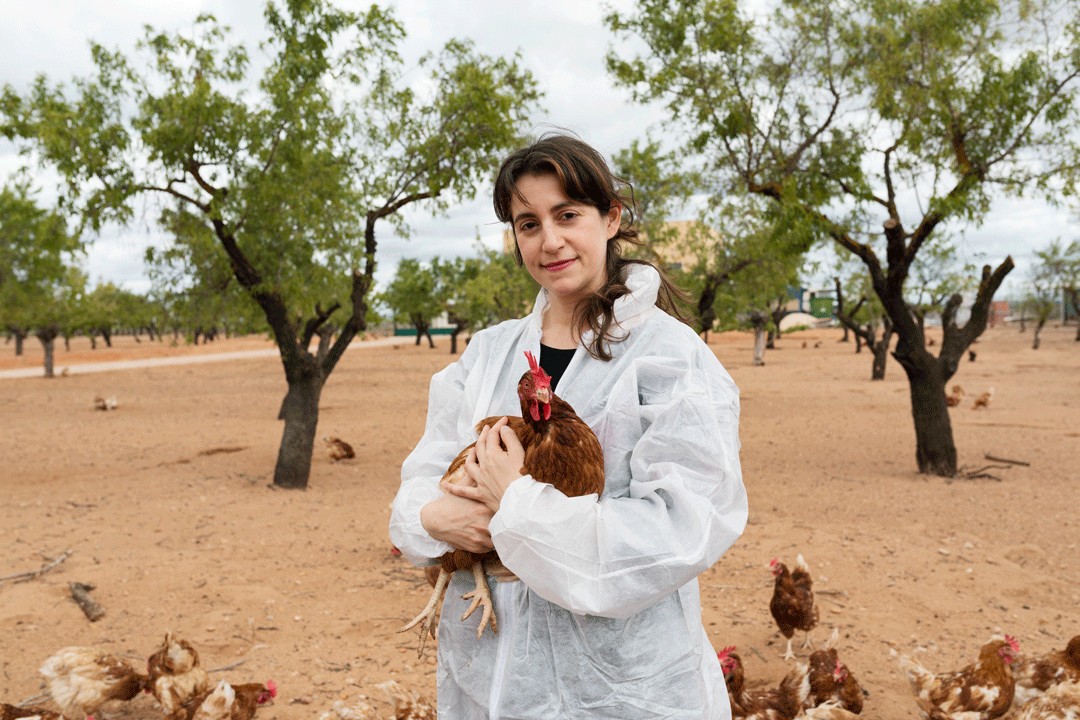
x,y
165,507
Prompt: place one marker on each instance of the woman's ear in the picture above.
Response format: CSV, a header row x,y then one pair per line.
x,y
614,218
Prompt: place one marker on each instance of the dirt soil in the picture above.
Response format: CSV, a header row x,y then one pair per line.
x,y
165,507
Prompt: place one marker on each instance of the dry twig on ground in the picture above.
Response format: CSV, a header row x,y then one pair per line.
x,y
32,574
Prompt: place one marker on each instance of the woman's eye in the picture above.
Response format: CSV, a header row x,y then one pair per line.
x,y
526,226
569,215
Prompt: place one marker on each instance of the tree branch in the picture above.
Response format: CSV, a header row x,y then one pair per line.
x,y
312,326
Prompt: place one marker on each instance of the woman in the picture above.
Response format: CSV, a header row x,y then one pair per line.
x,y
606,621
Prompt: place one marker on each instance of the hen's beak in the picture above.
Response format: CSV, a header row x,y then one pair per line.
x,y
543,395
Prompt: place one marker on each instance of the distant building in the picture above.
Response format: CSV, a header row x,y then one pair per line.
x,y
999,312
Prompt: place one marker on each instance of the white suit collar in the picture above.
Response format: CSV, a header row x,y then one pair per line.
x,y
632,308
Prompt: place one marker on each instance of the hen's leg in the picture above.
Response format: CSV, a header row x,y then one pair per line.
x,y
430,611
481,596
806,641
789,655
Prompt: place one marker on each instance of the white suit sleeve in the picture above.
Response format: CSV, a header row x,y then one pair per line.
x,y
686,506
425,466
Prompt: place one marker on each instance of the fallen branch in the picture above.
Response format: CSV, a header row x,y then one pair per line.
x,y
32,574
1006,460
80,593
230,666
979,473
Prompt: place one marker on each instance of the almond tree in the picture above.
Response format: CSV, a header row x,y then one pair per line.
x,y
290,166
415,297
39,282
878,120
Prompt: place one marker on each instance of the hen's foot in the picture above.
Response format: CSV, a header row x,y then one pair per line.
x,y
481,596
789,654
429,615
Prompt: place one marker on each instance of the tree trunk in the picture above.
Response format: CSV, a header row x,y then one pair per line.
x,y
1038,331
19,336
845,338
300,411
935,450
927,375
705,307
858,344
881,351
770,339
881,356
106,335
758,321
47,336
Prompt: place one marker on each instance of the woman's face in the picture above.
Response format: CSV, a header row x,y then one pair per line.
x,y
563,242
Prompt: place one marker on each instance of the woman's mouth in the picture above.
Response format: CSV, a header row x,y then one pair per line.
x,y
560,265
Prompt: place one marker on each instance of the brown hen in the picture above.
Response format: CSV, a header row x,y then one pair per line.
x,y
832,682
560,449
792,604
984,687
782,703
1034,676
175,675
226,702
83,679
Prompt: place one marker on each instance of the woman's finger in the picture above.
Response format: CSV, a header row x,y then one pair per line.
x,y
465,491
509,438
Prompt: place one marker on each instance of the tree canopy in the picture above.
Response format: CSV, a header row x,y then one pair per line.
x,y
878,121
289,165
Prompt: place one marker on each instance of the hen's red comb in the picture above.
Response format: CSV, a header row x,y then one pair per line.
x,y
1013,643
533,365
726,652
271,687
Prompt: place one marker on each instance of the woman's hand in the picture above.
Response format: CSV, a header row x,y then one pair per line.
x,y
461,522
493,463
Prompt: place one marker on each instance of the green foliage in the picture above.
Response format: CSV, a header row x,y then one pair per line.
x,y
499,290
475,292
289,179
39,282
1055,272
836,108
415,293
938,275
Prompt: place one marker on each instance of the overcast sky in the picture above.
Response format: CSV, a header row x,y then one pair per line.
x,y
563,42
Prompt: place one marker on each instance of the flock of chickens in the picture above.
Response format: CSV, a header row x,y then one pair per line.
x,y
83,680
1001,683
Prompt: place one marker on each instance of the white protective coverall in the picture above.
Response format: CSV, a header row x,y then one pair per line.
x,y
606,620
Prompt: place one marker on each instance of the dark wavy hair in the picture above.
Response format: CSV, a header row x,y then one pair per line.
x,y
586,178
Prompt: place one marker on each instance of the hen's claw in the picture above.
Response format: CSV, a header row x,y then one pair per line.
x,y
481,596
429,614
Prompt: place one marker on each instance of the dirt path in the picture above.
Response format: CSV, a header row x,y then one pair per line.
x,y
91,366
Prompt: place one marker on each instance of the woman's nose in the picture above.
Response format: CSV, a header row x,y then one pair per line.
x,y
551,240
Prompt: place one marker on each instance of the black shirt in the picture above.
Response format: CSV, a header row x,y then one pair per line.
x,y
554,362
